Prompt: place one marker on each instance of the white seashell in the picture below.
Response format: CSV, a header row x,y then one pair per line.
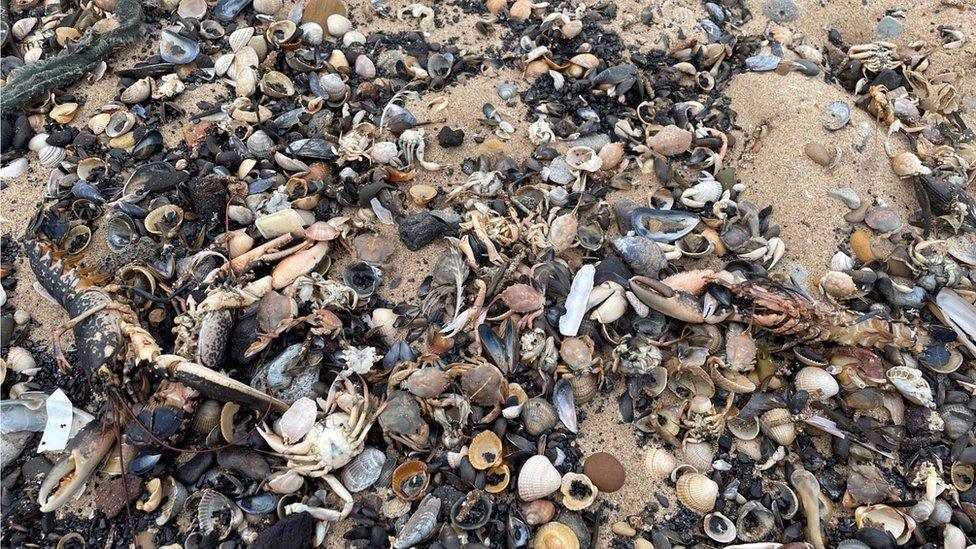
x,y
707,189
363,470
33,55
13,170
267,7
312,33
841,262
290,164
51,156
538,478
138,91
223,63
583,159
659,462
910,383
816,381
192,9
338,25
778,425
352,38
237,40
365,67
38,142
579,294
23,27
699,455
21,361
285,482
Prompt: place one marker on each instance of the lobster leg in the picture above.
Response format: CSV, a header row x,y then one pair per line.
x,y
67,478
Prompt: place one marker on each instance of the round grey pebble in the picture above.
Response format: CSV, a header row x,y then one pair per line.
x,y
781,11
883,219
888,28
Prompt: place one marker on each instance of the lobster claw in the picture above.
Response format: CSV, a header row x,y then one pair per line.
x,y
68,476
217,385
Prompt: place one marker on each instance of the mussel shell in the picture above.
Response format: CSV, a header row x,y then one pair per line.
x,y
662,225
477,516
177,49
258,504
120,232
143,463
363,278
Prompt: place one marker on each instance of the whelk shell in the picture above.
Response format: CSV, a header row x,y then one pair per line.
x,y
697,492
538,511
538,478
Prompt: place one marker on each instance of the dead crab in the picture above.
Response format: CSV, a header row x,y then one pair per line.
x,y
485,184
354,145
412,144
492,229
524,300
876,56
317,448
637,355
321,292
703,422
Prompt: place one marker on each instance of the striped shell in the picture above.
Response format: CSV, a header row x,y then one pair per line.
x,y
51,156
777,424
816,381
363,470
699,455
659,462
538,416
585,387
485,450
537,478
697,492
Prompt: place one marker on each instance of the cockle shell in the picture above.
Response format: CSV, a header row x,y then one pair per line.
x,y
538,416
578,491
778,425
363,470
818,382
699,455
697,492
537,478
50,156
485,450
910,383
659,462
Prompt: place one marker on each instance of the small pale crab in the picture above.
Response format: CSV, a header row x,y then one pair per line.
x,y
524,300
703,421
354,145
321,292
317,448
636,355
412,144
876,56
485,184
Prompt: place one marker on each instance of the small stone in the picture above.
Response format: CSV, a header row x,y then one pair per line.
x,y
292,531
818,153
244,462
781,11
420,229
112,496
847,196
449,138
641,543
883,220
623,529
605,471
888,28
671,141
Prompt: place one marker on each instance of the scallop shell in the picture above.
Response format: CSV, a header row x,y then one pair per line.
x,y
363,470
697,492
777,424
537,478
816,381
659,462
556,535
485,450
538,416
51,156
578,491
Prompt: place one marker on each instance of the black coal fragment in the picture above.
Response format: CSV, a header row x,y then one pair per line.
x,y
292,531
420,229
449,137
209,196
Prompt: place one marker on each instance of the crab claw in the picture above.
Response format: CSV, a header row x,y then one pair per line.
x,y
664,299
68,476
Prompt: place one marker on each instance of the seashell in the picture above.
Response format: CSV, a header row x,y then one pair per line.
x,y
698,454
962,475
21,360
298,264
820,154
22,27
755,522
563,398
260,144
538,511
662,225
239,243
258,504
138,92
485,450
174,497
719,527
841,262
363,278
495,7
120,123
177,49
730,380
164,220
556,535
885,518
777,424
744,429
909,382
497,479
578,491
207,417
520,10
120,231
659,462
421,526
697,492
907,164
538,416
642,255
537,478
192,9
583,159
365,67
285,482
267,7
585,387
338,25
818,382
410,480
364,470
312,33
279,223
50,156
13,170
280,32
836,115
471,512
64,113
237,40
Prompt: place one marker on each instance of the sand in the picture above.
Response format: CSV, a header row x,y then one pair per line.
x,y
777,173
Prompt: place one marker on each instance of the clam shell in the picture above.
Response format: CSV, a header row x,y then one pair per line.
x,y
538,416
363,470
659,462
312,33
164,220
537,478
699,455
697,492
237,40
777,424
50,156
816,381
578,491
662,225
485,450
886,518
21,361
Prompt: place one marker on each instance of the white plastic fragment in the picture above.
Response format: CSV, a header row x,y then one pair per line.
x,y
57,431
579,293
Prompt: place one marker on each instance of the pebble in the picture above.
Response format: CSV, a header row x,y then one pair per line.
x,y
36,467
818,153
641,543
671,141
595,141
623,529
883,219
605,471
338,25
449,138
111,496
420,229
318,11
847,196
888,28
781,11
292,531
373,248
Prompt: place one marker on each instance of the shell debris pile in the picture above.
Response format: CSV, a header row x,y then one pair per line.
x,y
307,309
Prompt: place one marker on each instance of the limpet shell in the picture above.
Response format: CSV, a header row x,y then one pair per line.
x,y
697,492
485,450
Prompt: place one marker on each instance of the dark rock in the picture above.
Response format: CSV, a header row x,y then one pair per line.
x,y
36,467
62,138
244,462
420,229
448,137
113,496
192,470
209,196
292,531
228,158
6,134
889,79
22,132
